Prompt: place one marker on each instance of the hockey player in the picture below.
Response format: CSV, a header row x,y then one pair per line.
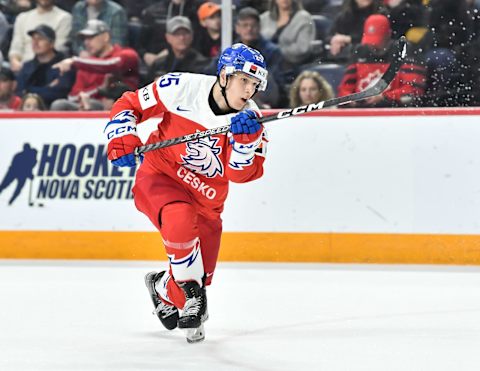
x,y
182,189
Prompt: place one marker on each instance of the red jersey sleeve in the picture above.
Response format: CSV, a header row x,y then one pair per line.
x,y
143,103
245,167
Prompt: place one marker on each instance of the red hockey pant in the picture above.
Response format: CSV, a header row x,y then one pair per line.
x,y
152,192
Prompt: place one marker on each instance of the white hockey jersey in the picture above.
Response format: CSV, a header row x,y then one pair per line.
x,y
203,166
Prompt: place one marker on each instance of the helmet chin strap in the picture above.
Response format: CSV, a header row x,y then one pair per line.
x,y
224,92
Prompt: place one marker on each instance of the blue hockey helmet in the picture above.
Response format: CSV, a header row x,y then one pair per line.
x,y
240,57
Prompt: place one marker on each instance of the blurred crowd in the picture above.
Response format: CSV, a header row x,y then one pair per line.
x,y
83,55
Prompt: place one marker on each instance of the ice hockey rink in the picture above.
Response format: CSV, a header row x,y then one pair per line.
x,y
96,315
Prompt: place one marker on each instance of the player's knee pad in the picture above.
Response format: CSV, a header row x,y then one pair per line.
x,y
179,223
182,243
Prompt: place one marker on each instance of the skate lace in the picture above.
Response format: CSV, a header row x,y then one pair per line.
x,y
192,306
165,310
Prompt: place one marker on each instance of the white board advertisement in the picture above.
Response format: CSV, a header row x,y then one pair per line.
x,y
398,174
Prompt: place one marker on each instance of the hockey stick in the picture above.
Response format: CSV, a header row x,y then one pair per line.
x,y
375,89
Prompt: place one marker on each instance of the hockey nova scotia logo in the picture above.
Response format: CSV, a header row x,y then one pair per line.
x,y
64,172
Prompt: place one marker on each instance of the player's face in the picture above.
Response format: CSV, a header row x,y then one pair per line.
x,y
240,89
308,92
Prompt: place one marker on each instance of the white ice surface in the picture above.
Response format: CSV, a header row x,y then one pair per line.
x,y
59,315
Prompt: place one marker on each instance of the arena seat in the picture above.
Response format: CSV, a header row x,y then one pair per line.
x,y
332,72
322,26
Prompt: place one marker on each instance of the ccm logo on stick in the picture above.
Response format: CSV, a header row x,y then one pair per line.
x,y
299,110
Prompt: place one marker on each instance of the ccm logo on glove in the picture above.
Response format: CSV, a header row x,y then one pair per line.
x,y
119,131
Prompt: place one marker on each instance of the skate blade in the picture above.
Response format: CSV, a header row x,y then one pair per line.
x,y
195,335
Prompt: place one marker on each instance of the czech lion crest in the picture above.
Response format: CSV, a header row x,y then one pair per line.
x,y
202,157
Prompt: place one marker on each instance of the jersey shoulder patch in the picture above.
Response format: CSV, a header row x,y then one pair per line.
x,y
147,97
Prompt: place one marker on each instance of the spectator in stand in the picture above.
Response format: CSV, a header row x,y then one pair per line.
x,y
38,75
45,13
12,8
134,8
247,27
371,59
291,27
347,27
154,19
405,14
8,100
32,102
5,36
309,87
107,11
66,5
4,30
207,40
166,9
107,62
180,56
110,93
260,5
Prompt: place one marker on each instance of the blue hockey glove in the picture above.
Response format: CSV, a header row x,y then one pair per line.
x,y
245,123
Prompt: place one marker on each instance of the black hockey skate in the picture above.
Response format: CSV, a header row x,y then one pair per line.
x,y
167,314
194,312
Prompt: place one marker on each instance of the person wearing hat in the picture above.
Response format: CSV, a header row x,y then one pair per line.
x,y
180,56
110,12
372,58
105,60
8,100
154,19
44,13
38,75
208,41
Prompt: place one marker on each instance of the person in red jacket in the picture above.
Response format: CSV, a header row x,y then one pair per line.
x,y
100,64
370,61
182,189
8,100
